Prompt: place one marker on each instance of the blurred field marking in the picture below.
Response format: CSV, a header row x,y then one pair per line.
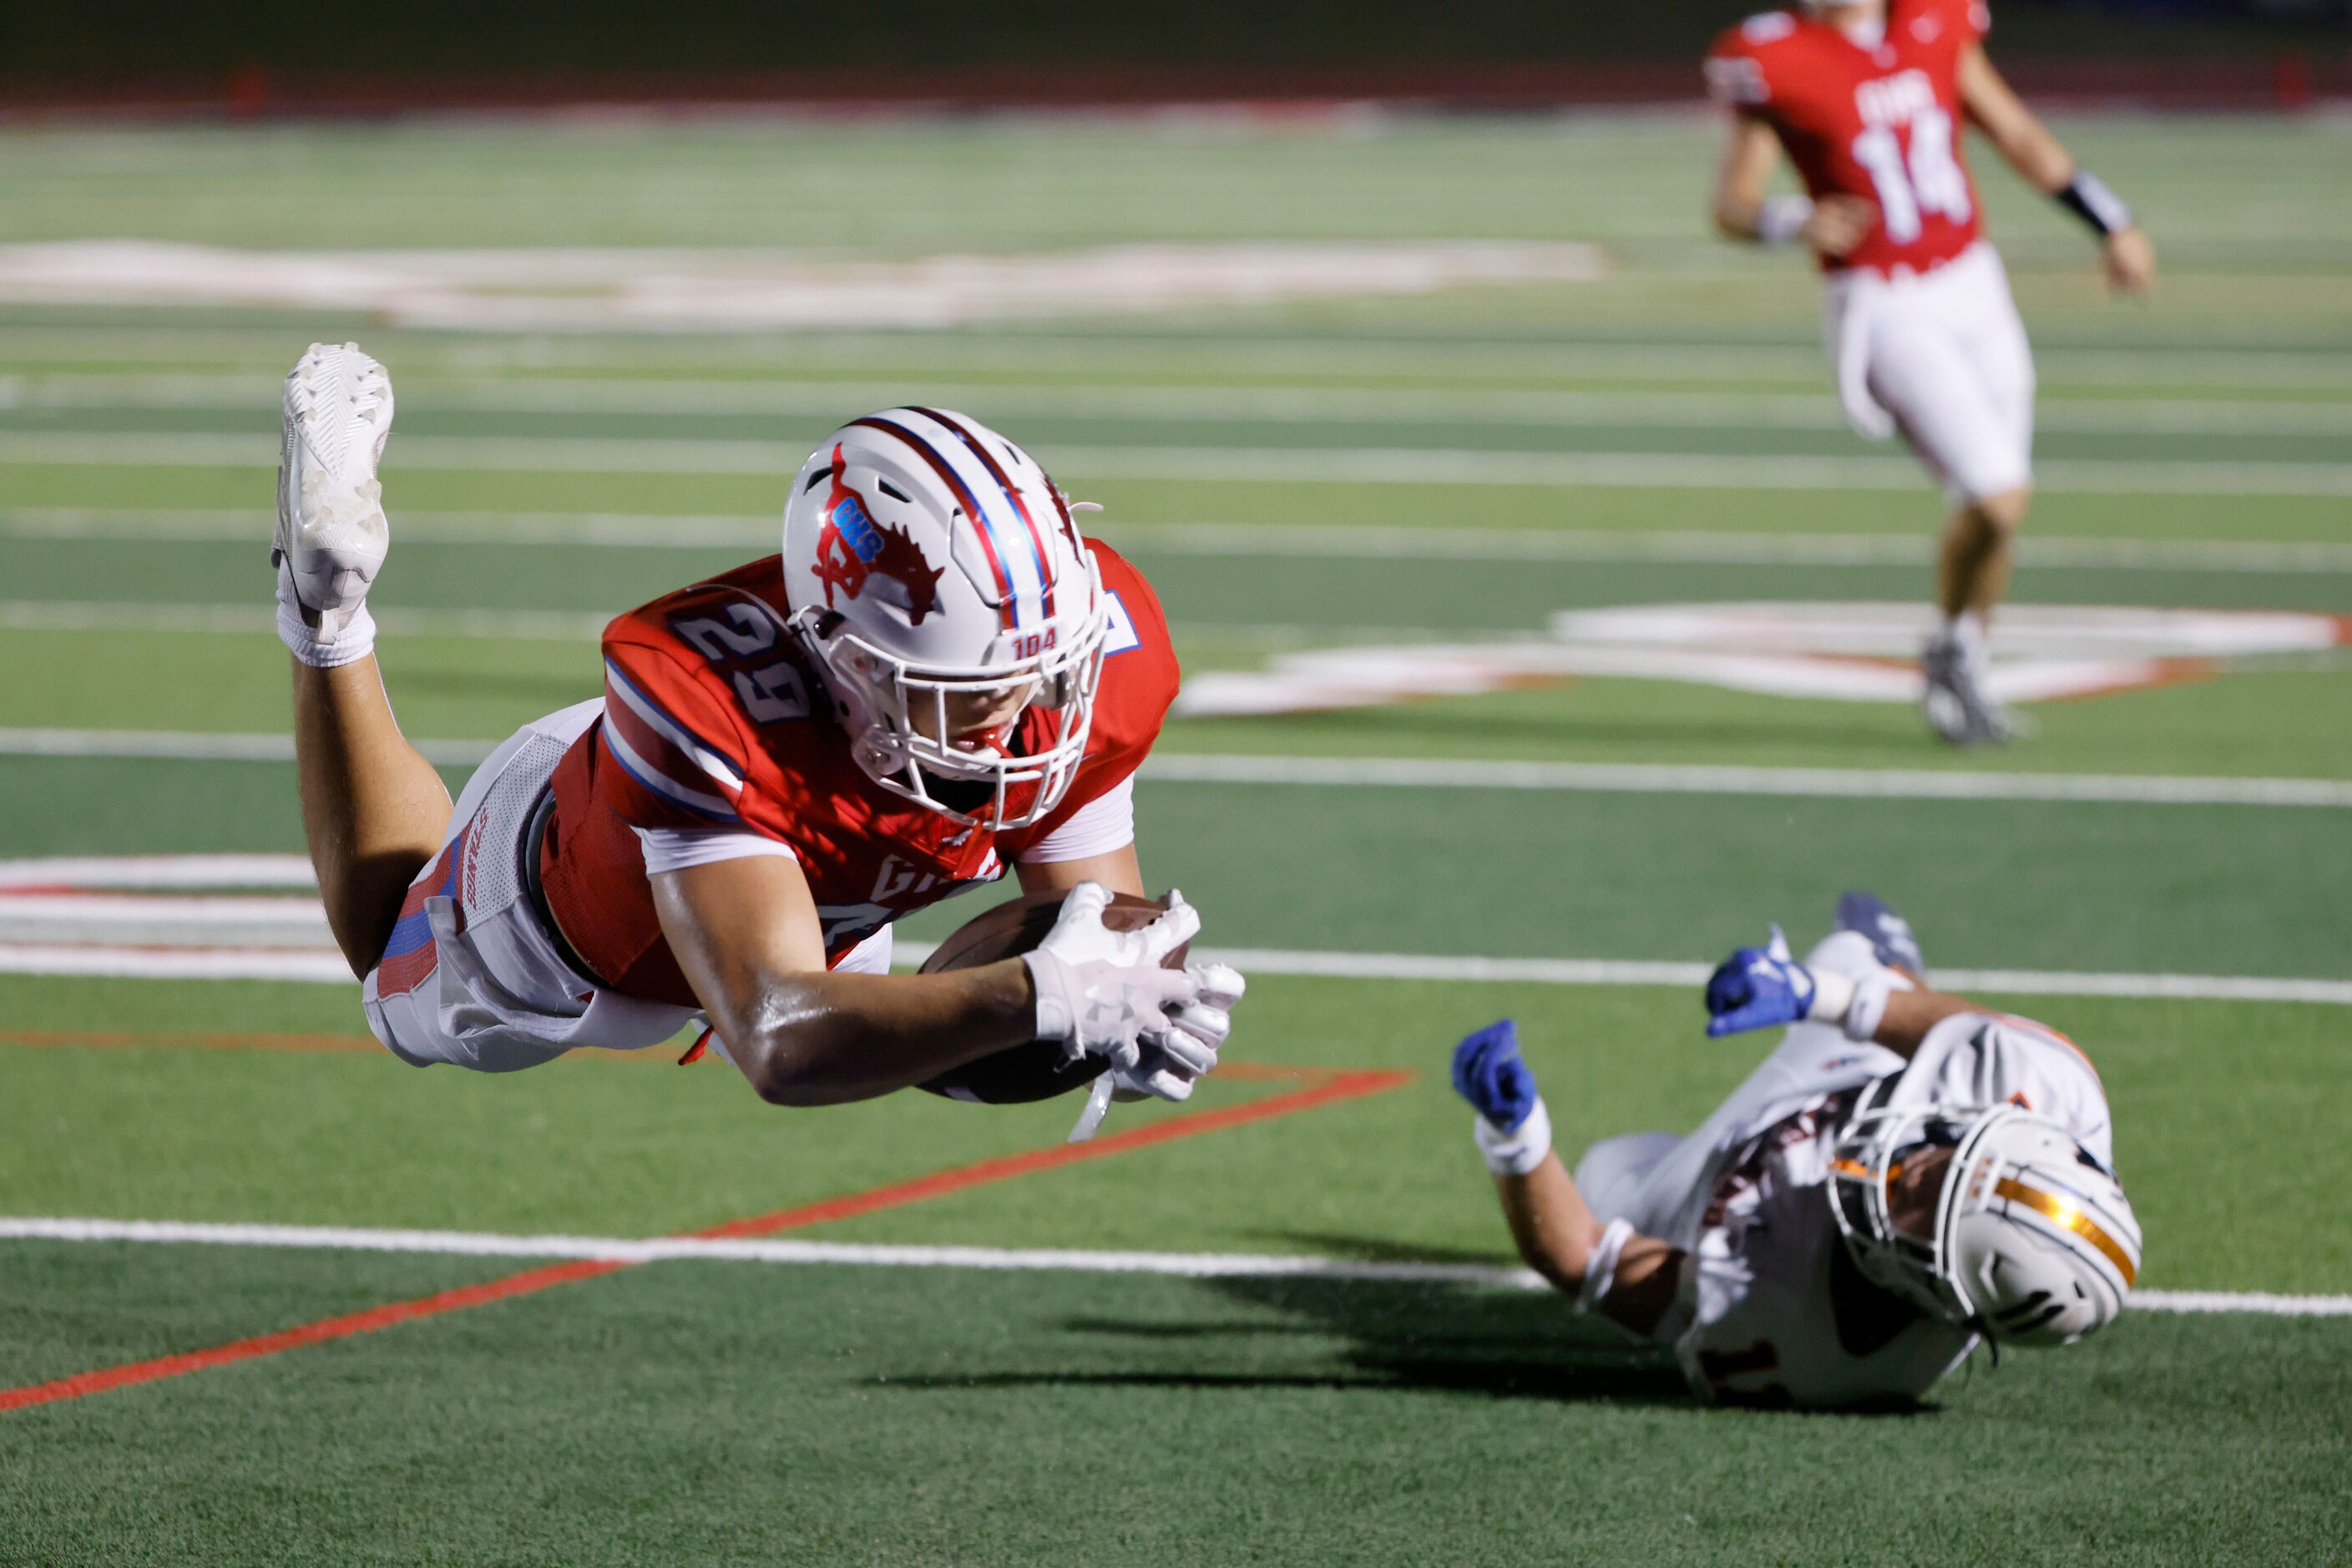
x,y
607,290
1641,778
1303,465
146,935
94,961
1629,972
192,746
297,1044
1301,541
831,400
1342,1085
306,965
1398,773
888,1255
72,615
1250,348
82,871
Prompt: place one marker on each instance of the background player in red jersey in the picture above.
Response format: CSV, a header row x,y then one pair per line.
x,y
937,679
1866,98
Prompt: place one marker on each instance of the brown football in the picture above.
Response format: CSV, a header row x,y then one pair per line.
x,y
1034,1072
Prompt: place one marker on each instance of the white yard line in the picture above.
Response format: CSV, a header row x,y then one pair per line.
x,y
1703,547
1639,778
1631,971
304,965
89,871
1311,465
834,399
1177,1265
296,964
622,530
187,745
1301,541
1405,772
1099,349
1663,471
109,616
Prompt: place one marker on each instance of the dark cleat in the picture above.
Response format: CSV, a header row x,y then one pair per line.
x,y
1889,933
1957,698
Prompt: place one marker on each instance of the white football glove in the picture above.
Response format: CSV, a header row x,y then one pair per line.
x,y
1102,993
1168,1068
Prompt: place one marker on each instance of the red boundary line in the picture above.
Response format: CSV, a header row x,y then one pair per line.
x,y
1337,1086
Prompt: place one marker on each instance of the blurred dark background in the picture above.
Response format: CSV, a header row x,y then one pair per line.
x,y
260,53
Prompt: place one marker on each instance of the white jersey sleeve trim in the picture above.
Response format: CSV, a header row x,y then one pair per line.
x,y
1104,824
675,848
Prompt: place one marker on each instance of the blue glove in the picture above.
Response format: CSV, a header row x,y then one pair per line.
x,y
1490,1075
1758,988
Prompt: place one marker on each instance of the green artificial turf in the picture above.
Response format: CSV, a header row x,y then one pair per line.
x,y
738,1412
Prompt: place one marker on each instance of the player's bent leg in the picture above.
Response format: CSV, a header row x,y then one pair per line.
x,y
1963,376
1974,562
374,810
1972,577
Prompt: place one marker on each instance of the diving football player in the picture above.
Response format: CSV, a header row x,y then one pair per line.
x,y
937,678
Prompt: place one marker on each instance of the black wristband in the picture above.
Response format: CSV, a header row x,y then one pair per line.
x,y
2087,197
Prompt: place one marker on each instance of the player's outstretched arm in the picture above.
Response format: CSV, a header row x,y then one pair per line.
x,y
2028,146
1610,1269
748,939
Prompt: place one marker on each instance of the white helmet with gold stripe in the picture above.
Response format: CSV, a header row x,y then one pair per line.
x,y
1991,1217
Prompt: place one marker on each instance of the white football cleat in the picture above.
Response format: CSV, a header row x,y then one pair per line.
x,y
332,532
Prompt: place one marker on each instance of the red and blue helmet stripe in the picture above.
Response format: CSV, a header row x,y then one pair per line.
x,y
1009,535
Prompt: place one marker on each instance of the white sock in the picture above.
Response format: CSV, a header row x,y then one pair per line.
x,y
1966,628
353,642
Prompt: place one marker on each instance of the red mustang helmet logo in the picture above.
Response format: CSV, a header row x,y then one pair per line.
x,y
853,547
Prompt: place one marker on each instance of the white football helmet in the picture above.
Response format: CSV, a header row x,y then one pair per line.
x,y
936,579
2029,1239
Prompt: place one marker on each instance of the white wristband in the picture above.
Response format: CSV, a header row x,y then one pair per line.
x,y
1854,1005
1601,1268
1833,995
1781,219
1050,977
1519,1151
1868,1008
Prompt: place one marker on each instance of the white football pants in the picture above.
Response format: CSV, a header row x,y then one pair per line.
x,y
1941,358
470,977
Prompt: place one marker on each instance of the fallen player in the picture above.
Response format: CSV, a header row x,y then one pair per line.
x,y
1907,1173
937,678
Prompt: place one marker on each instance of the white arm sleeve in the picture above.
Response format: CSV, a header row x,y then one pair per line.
x,y
1104,824
675,848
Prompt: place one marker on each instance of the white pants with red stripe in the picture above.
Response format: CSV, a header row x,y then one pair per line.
x,y
471,976
1940,357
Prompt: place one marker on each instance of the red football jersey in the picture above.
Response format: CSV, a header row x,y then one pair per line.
x,y
709,721
1880,123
